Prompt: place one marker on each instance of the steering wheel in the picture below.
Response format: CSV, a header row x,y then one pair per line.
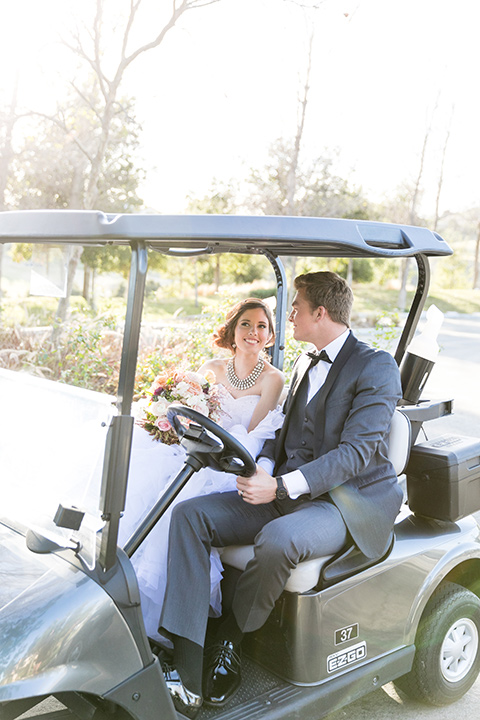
x,y
223,451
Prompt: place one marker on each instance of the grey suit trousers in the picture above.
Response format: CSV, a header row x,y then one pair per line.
x,y
285,533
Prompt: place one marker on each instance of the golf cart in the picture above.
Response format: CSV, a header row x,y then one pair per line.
x,y
70,615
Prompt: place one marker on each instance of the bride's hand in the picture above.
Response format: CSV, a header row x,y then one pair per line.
x,y
258,489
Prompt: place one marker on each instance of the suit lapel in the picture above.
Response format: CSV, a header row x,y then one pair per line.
x,y
338,364
332,376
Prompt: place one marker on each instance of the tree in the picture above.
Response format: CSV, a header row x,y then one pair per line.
x,y
49,170
476,258
320,192
441,170
413,219
7,124
89,46
221,199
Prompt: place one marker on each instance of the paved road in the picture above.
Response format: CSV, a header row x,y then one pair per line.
x,y
456,375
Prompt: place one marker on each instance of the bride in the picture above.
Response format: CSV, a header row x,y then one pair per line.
x,y
249,390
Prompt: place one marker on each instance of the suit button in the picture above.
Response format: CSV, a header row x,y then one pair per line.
x,y
292,456
304,442
305,419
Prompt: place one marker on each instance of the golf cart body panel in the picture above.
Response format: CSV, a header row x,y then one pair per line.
x,y
330,644
375,612
65,619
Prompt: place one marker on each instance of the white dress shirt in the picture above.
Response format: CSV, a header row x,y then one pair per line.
x,y
295,481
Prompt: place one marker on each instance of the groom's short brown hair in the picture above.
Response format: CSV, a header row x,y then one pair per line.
x,y
329,290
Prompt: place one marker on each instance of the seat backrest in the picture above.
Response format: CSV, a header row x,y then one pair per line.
x,y
399,441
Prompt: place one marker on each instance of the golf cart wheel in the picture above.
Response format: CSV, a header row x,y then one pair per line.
x,y
447,658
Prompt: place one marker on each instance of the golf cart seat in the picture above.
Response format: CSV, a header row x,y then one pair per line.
x,y
333,568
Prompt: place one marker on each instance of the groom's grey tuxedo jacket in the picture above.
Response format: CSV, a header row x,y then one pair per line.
x,y
339,440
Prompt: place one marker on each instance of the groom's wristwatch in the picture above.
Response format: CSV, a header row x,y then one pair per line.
x,y
281,492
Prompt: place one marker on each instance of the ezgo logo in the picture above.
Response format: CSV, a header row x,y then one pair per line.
x,y
350,655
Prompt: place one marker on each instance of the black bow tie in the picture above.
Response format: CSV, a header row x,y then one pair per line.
x,y
316,357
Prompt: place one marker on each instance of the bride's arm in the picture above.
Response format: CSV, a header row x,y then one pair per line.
x,y
270,392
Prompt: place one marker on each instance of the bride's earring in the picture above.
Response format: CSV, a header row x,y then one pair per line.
x,y
234,347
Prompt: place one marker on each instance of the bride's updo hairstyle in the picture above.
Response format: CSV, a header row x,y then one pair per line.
x,y
224,336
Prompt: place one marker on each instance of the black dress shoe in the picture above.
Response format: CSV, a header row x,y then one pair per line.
x,y
223,675
185,701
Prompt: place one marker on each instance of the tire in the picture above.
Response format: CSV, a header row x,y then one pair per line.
x,y
447,657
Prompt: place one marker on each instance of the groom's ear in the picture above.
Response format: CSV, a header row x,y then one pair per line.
x,y
320,313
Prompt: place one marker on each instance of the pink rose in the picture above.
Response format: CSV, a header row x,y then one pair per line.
x,y
164,425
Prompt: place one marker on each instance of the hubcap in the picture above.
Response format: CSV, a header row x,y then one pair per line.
x,y
459,650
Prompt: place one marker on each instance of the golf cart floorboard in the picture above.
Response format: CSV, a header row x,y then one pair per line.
x,y
258,690
264,695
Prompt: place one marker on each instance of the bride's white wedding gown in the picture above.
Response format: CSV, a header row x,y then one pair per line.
x,y
153,466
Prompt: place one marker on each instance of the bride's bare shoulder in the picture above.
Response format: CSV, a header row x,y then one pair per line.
x,y
274,372
274,376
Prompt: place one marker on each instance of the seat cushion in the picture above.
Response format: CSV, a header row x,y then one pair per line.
x,y
302,578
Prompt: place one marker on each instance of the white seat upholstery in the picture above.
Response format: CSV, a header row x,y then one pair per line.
x,y
305,576
302,578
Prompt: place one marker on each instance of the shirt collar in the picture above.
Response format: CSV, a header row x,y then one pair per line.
x,y
333,348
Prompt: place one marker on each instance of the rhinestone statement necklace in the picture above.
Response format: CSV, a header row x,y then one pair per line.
x,y
247,382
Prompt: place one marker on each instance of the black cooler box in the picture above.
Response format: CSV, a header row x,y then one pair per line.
x,y
443,477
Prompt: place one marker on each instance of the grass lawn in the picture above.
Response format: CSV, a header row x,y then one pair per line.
x,y
371,299
371,302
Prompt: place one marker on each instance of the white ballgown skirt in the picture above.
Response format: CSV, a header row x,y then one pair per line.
x,y
153,466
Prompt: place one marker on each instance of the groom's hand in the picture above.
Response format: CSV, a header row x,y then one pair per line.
x,y
258,489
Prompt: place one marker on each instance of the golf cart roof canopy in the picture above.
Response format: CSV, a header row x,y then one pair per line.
x,y
203,234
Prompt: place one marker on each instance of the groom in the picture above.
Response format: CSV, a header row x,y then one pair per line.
x,y
324,479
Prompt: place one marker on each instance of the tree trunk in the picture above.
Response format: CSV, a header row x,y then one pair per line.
x,y
63,303
350,272
402,295
476,259
292,170
195,271
87,283
5,159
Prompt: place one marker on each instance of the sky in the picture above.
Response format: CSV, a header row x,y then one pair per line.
x,y
225,85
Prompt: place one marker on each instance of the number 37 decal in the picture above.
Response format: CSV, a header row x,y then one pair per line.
x,y
345,634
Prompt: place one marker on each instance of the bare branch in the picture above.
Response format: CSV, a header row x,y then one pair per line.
x,y
194,4
97,66
311,6
133,11
78,50
177,11
63,126
86,100
292,170
442,166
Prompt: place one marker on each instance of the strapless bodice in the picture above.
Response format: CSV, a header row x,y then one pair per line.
x,y
236,411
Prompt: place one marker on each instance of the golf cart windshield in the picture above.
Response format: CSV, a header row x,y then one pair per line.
x,y
54,431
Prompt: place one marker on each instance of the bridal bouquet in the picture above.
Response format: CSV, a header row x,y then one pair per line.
x,y
183,388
